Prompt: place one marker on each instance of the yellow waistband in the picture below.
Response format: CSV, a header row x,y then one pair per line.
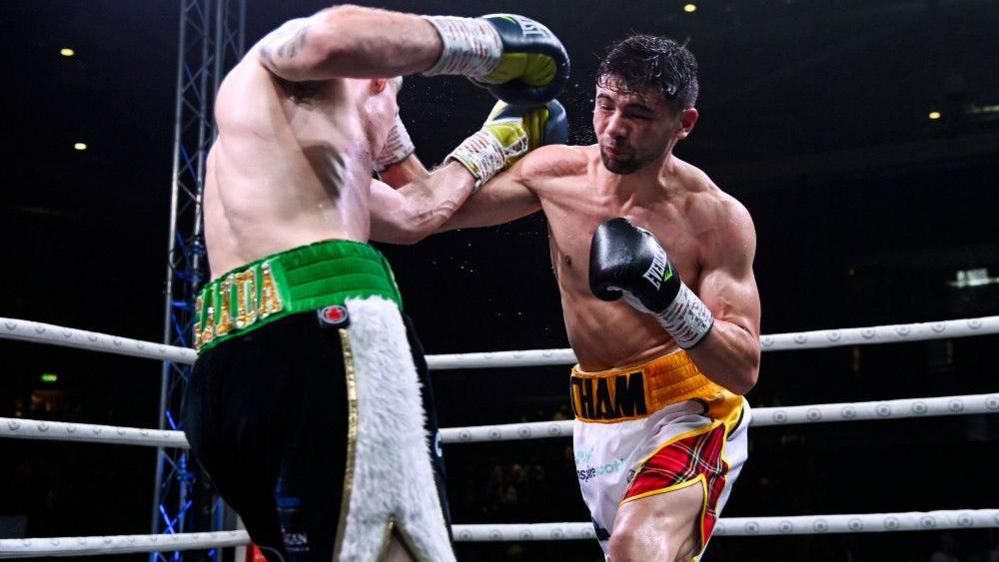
x,y
617,395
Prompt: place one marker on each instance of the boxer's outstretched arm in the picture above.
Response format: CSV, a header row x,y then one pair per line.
x,y
407,171
350,42
730,353
418,209
505,198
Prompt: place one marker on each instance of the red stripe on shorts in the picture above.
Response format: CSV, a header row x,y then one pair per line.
x,y
683,461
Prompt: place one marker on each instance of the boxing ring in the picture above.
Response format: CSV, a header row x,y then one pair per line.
x,y
18,428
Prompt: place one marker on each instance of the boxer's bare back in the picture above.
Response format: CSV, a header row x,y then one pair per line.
x,y
286,169
292,161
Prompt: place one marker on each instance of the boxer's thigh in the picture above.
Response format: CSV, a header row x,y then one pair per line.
x,y
659,527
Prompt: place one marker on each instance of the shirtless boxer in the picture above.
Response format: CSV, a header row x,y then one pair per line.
x,y
658,388
304,404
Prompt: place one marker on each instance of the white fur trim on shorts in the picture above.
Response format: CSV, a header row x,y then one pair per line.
x,y
392,479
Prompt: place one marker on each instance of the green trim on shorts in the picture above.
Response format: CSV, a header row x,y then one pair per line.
x,y
302,279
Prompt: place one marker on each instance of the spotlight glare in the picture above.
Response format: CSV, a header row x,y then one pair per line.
x,y
80,146
690,8
934,115
67,52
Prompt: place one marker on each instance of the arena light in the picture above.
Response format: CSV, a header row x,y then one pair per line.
x,y
80,146
66,52
934,115
690,8
983,111
973,278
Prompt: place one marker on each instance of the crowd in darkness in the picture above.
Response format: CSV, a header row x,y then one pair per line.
x,y
520,490
52,488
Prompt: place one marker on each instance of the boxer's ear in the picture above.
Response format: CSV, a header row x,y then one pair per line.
x,y
378,85
688,118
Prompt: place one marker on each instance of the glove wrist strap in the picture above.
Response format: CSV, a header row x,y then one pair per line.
x,y
472,46
398,147
687,318
482,154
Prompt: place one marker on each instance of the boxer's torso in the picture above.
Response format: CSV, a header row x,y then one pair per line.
x,y
290,166
684,217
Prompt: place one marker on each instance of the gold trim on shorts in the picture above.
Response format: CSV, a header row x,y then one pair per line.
x,y
631,393
352,423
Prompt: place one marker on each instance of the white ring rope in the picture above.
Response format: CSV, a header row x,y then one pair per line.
x,y
119,544
949,405
24,330
788,415
894,333
19,428
36,332
757,526
969,404
953,405
726,527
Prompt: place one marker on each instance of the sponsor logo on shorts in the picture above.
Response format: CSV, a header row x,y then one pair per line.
x,y
335,315
589,472
295,542
234,303
609,398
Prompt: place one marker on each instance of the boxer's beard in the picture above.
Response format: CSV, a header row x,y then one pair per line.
x,y
621,166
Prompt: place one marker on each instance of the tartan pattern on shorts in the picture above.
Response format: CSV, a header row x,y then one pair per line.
x,y
682,462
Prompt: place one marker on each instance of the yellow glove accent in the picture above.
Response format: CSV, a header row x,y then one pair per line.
x,y
531,123
534,69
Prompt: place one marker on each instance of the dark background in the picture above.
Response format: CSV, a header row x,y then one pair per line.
x,y
814,114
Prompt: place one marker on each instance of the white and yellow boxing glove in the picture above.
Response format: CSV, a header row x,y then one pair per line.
x,y
509,133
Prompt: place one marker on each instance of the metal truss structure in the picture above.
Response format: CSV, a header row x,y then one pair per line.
x,y
211,40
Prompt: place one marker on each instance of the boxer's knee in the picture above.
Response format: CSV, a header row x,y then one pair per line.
x,y
650,539
641,544
623,545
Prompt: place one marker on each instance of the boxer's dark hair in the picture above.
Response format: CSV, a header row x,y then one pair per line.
x,y
642,62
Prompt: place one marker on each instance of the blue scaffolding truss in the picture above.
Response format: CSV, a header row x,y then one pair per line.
x,y
211,40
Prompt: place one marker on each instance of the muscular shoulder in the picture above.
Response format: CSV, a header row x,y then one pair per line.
x,y
554,161
717,214
239,95
734,224
728,236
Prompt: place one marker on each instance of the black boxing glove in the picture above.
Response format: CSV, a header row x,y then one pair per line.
x,y
627,261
